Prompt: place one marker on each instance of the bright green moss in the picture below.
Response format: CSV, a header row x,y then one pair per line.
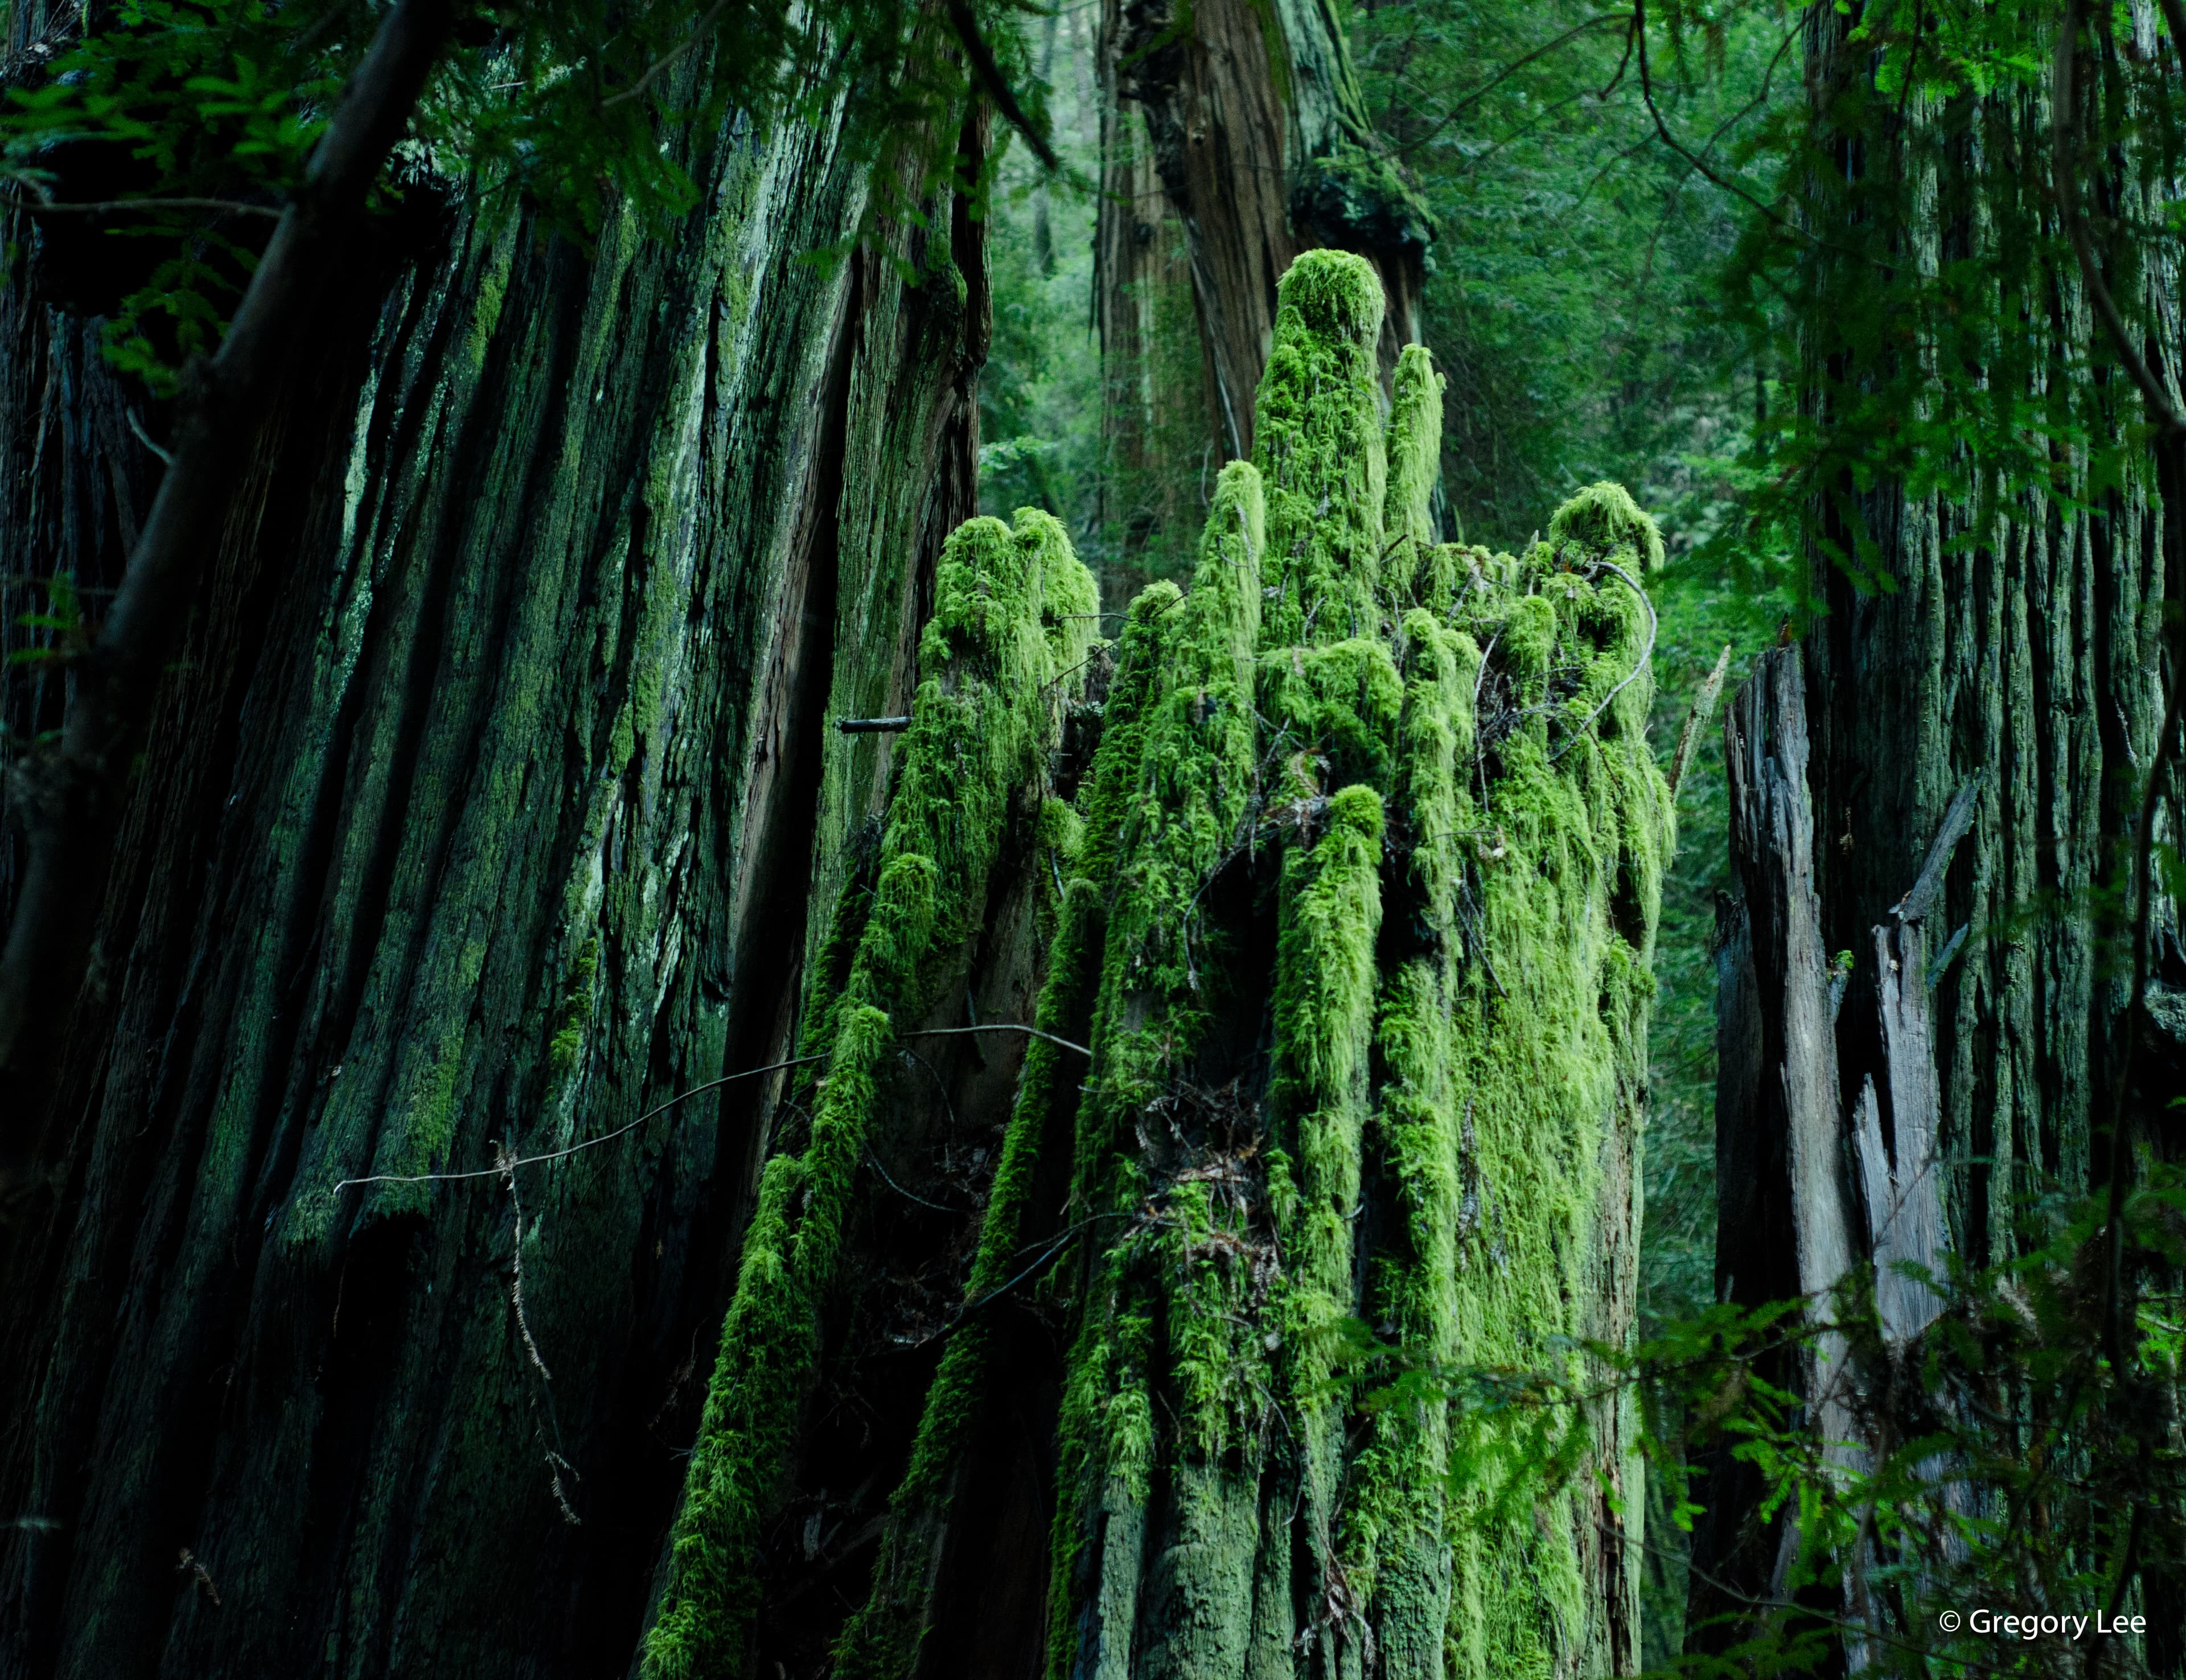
x,y
1415,454
983,721
883,1638
1435,737
1605,521
1317,441
576,1010
1185,812
1483,1071
1334,709
1432,786
1181,773
1325,965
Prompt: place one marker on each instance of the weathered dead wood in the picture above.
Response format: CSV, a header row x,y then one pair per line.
x,y
1772,829
1772,841
1696,719
1899,1183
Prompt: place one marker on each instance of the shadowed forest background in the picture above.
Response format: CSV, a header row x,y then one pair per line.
x,y
1228,841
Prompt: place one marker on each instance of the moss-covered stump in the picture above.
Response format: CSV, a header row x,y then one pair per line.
x,y
1353,906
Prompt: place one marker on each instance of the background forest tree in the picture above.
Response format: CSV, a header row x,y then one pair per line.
x,y
481,801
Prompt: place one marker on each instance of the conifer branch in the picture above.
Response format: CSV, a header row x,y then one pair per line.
x,y
988,74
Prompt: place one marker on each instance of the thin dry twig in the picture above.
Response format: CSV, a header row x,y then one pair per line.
x,y
1703,708
502,1168
654,71
1639,664
109,206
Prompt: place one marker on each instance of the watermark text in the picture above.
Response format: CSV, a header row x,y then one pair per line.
x,y
2015,1625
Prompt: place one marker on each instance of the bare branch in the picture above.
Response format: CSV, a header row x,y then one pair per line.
x,y
1700,163
115,206
1703,708
654,71
1639,664
1511,69
506,1164
1920,897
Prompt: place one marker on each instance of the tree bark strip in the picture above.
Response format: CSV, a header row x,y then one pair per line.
x,y
71,801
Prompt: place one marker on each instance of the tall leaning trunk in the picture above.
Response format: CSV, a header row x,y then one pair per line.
x,y
481,814
1922,991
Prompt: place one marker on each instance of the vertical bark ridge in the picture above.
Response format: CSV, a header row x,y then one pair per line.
x,y
438,846
1980,692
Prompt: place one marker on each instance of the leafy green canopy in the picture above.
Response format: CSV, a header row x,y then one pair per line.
x,y
193,121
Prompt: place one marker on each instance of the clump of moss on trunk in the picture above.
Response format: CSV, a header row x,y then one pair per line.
x,y
1412,777
984,721
1474,1064
1318,442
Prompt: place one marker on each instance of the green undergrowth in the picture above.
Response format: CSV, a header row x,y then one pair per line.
x,y
1358,894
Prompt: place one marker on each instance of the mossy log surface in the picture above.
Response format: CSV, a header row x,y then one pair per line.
x,y
1345,873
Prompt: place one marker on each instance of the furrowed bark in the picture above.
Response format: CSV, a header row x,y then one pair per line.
x,y
1158,400
71,801
1982,728
1264,148
483,812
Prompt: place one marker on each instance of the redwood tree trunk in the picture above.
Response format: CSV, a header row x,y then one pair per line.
x,y
1159,415
1979,729
484,811
1264,149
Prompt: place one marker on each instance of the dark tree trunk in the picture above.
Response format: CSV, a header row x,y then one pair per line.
x,y
1264,149
1159,422
483,811
1977,731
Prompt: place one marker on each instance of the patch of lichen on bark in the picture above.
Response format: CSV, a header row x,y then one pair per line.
x,y
982,722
